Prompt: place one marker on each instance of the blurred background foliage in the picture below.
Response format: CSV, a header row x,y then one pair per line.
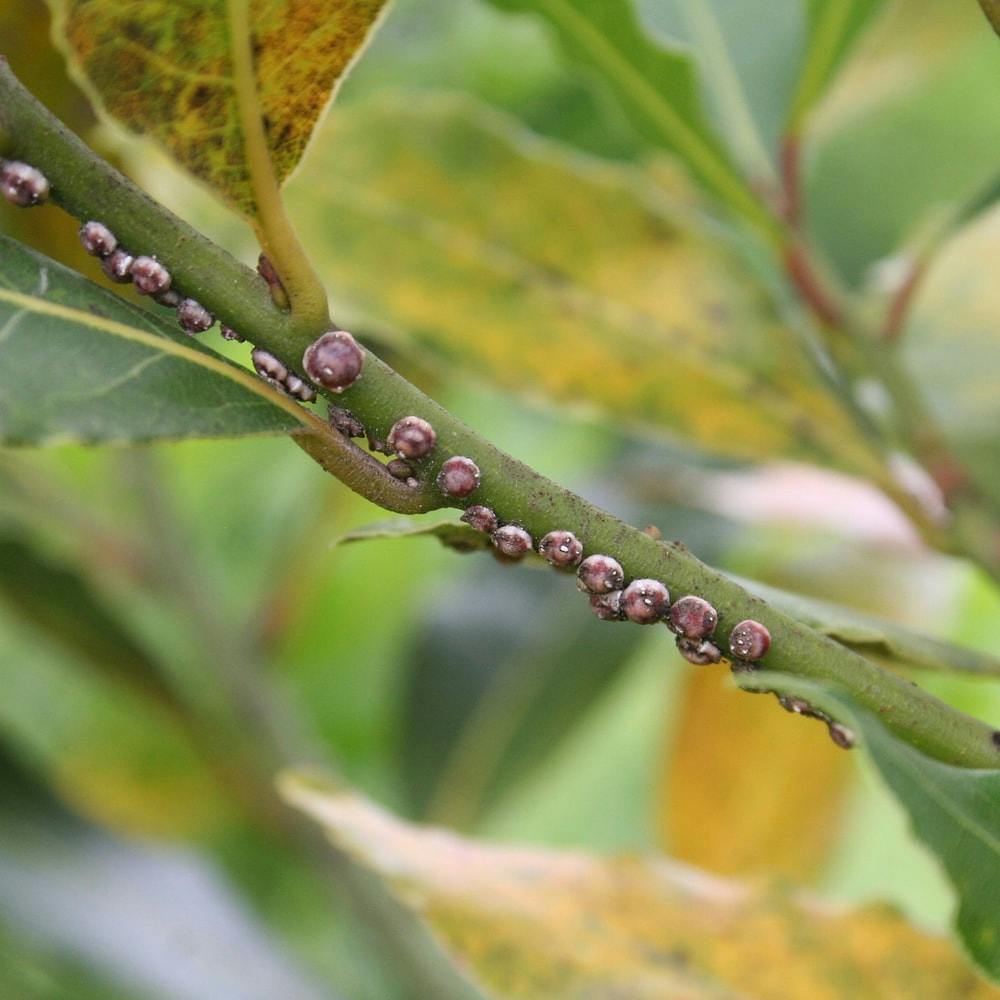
x,y
482,211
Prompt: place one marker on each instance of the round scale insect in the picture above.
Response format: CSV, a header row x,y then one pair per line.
x,y
646,602
97,239
459,476
412,437
149,276
170,299
334,360
228,333
193,316
298,389
749,640
346,422
512,541
118,266
607,607
268,367
22,184
700,652
561,549
841,735
599,574
693,617
481,518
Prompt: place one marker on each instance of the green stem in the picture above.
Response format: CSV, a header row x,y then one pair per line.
x,y
274,228
88,187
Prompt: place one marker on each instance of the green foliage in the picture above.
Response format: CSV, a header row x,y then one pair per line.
x,y
954,811
654,86
176,632
833,28
82,365
647,310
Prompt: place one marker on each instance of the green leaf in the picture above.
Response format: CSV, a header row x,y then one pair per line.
x,y
545,272
834,27
908,135
451,534
748,56
887,642
955,812
655,87
79,364
127,912
55,599
165,68
544,925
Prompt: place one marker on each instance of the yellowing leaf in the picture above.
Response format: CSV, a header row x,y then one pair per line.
x,y
543,925
734,804
546,272
164,68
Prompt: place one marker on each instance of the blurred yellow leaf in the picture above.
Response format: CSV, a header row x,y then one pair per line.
x,y
164,68
542,925
547,272
748,788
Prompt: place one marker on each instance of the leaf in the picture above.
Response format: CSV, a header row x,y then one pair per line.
x,y
654,86
65,607
834,26
79,364
908,134
718,813
950,345
451,534
542,925
157,921
991,8
955,812
891,644
547,272
165,69
494,691
748,58
118,756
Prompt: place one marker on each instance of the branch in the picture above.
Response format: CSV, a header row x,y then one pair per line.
x,y
274,229
89,188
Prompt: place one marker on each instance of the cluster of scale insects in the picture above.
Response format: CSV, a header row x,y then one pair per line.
x,y
335,361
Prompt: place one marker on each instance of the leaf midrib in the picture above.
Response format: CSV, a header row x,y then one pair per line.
x,y
32,304
675,130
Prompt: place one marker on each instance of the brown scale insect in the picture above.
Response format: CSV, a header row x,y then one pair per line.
x,y
346,422
149,276
512,541
693,617
334,360
193,316
701,653
607,607
749,640
118,266
459,476
599,574
646,602
412,437
481,518
97,239
22,184
561,549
